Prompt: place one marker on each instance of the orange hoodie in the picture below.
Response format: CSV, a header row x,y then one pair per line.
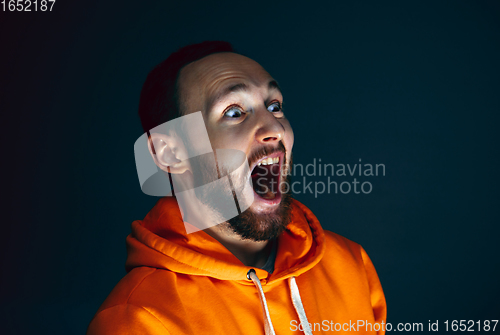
x,y
180,283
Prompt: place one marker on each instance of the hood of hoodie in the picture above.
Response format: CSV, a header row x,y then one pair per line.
x,y
160,241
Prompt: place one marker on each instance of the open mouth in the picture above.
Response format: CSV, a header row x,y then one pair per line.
x,y
266,178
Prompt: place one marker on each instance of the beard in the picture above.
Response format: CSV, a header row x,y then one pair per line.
x,y
248,224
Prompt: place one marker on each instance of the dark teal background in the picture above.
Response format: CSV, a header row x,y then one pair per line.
x,y
412,85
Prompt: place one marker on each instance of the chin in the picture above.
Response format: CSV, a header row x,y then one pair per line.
x,y
258,224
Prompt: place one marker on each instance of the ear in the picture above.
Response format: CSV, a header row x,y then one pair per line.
x,y
166,150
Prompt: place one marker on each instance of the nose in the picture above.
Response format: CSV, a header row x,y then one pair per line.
x,y
269,129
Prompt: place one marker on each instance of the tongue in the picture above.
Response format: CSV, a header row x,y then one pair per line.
x,y
261,180
269,195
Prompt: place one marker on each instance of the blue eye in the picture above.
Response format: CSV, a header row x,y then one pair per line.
x,y
275,107
233,112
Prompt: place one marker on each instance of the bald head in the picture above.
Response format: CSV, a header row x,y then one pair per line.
x,y
205,81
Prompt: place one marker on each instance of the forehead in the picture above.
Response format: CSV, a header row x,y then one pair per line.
x,y
204,79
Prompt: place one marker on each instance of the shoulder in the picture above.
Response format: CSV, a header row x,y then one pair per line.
x,y
337,243
127,287
130,307
126,319
342,251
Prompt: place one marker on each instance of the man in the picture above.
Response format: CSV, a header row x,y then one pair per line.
x,y
269,269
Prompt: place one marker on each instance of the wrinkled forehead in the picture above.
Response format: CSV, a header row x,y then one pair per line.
x,y
201,81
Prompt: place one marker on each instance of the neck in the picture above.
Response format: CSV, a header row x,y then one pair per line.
x,y
250,253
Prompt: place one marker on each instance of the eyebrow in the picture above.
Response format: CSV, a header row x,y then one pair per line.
x,y
241,87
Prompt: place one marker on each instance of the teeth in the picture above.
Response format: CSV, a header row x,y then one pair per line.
x,y
269,161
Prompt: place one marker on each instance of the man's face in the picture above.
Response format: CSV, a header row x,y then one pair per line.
x,y
241,105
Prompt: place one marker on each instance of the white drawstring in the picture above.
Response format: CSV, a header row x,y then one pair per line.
x,y
299,308
267,318
296,301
